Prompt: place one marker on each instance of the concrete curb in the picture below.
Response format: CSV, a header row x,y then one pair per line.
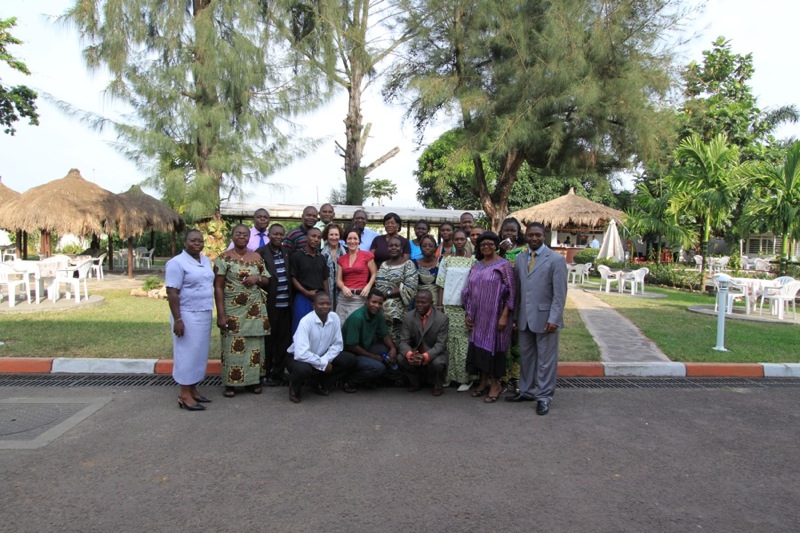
x,y
64,365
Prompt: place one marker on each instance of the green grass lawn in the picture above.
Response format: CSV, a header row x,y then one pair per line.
x,y
576,343
124,327
690,337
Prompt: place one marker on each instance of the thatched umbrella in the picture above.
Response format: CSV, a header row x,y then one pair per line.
x,y
67,205
7,195
145,213
569,210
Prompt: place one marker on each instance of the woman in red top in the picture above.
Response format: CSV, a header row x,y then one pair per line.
x,y
355,275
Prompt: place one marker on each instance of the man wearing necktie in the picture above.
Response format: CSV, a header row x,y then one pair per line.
x,y
258,233
541,276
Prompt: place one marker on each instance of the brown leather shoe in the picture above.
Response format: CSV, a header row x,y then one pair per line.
x,y
438,389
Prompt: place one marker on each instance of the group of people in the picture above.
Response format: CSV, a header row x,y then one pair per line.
x,y
329,305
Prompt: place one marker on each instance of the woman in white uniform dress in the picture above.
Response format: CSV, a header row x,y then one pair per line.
x,y
190,293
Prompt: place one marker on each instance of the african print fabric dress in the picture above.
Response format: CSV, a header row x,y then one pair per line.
x,y
512,358
246,309
402,277
451,280
427,280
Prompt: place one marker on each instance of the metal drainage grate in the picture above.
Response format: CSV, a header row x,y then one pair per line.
x,y
149,380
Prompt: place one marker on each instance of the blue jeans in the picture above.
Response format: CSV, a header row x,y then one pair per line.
x,y
367,369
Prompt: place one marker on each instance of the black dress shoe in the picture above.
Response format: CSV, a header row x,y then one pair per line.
x,y
271,382
195,407
202,399
518,398
321,389
542,408
294,396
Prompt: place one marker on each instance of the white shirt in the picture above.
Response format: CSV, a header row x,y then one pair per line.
x,y
316,343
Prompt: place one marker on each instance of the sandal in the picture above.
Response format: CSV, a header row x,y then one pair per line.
x,y
255,389
230,392
477,393
491,399
350,389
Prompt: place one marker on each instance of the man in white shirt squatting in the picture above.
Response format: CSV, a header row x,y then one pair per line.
x,y
317,351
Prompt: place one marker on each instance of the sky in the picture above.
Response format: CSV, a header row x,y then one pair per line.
x,y
52,52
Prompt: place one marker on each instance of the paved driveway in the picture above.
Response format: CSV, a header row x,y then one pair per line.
x,y
604,460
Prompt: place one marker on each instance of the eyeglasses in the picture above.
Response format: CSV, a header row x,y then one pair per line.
x,y
487,245
241,234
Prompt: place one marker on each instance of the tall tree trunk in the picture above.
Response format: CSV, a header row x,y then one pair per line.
x,y
495,204
354,144
784,261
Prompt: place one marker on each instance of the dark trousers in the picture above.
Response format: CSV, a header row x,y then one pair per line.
x,y
433,372
277,342
300,372
369,370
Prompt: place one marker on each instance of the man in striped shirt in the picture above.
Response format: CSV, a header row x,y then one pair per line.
x,y
279,309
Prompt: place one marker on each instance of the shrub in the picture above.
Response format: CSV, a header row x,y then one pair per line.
x,y
587,255
677,277
153,282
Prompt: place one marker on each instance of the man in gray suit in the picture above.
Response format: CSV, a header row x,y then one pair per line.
x,y
423,344
539,314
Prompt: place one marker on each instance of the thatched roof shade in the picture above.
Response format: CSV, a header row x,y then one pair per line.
x,y
67,205
569,210
144,213
6,194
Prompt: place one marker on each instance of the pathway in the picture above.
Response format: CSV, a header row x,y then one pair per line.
x,y
620,341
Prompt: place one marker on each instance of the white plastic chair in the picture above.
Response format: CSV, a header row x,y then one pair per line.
x,y
760,265
781,298
698,260
628,279
146,258
138,254
97,266
736,291
12,279
67,276
607,278
579,272
639,275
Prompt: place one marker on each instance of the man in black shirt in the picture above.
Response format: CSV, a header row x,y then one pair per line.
x,y
309,274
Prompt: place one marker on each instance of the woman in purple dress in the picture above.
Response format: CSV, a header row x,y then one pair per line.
x,y
488,300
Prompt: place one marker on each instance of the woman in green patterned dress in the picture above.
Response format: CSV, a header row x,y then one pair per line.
x,y
511,246
241,313
397,280
453,274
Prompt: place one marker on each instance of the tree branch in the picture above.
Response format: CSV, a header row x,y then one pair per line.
x,y
381,160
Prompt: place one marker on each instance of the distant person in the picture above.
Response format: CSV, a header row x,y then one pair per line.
x,y
428,267
279,306
366,235
326,215
190,294
295,240
539,315
423,344
241,313
567,241
446,246
595,243
467,222
367,337
317,355
258,233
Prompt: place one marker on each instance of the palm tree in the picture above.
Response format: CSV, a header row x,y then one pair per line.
x,y
649,215
775,203
705,184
